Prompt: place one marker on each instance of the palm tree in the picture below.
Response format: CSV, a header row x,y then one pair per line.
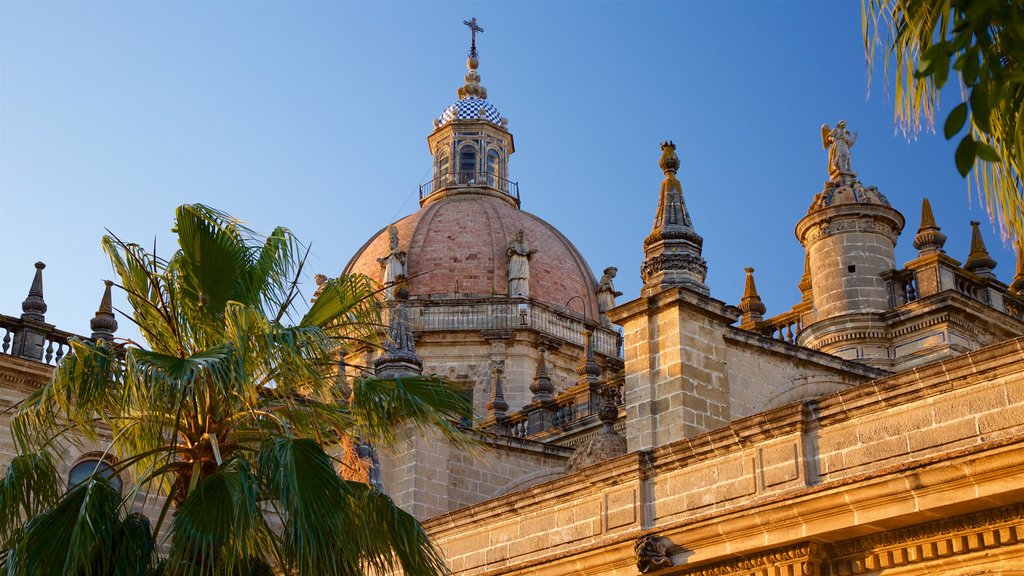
x,y
983,41
233,421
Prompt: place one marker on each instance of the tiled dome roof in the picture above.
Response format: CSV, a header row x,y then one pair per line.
x,y
470,108
457,247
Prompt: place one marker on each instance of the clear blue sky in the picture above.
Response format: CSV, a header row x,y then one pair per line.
x,y
315,116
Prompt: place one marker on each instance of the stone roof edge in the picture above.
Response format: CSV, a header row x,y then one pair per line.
x,y
993,361
753,339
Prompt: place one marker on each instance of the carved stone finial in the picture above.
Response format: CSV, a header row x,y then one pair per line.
x,y
542,387
805,281
669,160
673,249
497,406
751,305
1017,286
34,308
838,141
587,368
651,554
399,357
929,239
979,261
104,324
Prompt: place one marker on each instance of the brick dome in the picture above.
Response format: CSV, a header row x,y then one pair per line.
x,y
456,248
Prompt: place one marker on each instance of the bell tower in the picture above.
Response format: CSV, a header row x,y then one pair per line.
x,y
470,143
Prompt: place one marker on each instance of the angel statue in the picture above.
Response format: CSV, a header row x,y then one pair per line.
x,y
838,142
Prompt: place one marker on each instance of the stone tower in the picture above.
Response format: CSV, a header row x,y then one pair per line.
x,y
849,234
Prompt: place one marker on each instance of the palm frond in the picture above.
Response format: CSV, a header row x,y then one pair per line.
x,y
30,486
379,406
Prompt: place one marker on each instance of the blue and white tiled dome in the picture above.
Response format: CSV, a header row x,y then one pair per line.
x,y
470,109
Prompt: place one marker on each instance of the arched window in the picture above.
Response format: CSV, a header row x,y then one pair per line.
x,y
82,471
493,168
443,168
467,165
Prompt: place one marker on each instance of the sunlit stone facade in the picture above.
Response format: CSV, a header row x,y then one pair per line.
x,y
876,427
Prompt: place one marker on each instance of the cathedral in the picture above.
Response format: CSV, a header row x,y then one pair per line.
x,y
876,427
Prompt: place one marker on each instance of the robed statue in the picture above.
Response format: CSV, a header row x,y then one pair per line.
x,y
838,142
519,266
393,263
606,293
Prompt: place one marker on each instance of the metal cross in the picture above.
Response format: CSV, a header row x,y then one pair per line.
x,y
473,28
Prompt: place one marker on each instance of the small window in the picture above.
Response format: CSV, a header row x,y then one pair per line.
x,y
467,165
851,268
81,472
493,167
443,165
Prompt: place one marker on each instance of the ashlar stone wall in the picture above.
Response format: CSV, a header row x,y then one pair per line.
x,y
902,475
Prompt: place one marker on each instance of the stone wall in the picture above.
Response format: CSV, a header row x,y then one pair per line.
x,y
688,371
806,484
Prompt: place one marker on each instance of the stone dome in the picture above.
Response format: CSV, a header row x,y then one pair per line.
x,y
456,247
470,109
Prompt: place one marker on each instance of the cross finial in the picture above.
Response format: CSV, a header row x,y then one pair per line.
x,y
473,29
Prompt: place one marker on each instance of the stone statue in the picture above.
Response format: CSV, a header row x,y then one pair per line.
x,y
519,266
838,142
606,293
393,263
321,281
651,554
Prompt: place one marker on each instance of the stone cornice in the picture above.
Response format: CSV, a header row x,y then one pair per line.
x,y
931,379
755,340
679,296
826,222
23,375
986,530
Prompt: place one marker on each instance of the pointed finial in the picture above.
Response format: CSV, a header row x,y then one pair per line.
x,y
104,324
542,387
587,369
399,357
929,239
805,281
497,406
751,305
1017,286
34,308
472,89
979,261
673,249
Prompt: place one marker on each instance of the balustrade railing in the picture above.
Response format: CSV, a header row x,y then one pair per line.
x,y
569,407
784,327
510,316
55,343
469,179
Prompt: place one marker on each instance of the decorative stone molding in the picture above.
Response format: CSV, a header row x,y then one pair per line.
x,y
983,530
828,228
802,559
663,262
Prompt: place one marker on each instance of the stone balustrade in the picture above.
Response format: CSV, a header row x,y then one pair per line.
x,y
509,314
55,344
